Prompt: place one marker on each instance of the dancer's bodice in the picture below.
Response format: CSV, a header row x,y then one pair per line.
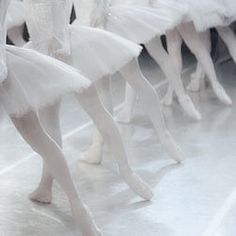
x,y
91,12
46,21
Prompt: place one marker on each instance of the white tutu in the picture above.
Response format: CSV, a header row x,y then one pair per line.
x,y
141,24
15,14
204,13
35,80
97,53
138,23
230,10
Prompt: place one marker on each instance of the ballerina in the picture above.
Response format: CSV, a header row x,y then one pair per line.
x,y
49,33
25,76
227,35
141,25
201,16
15,22
110,53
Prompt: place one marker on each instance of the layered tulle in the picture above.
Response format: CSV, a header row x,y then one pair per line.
x,y
138,22
141,24
230,10
15,14
204,13
35,81
97,53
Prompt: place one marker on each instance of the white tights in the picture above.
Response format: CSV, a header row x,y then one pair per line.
x,y
133,75
31,130
158,53
229,38
193,41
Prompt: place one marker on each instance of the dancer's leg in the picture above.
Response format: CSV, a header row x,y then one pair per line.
x,y
106,126
159,54
194,43
16,35
174,44
151,104
229,38
198,76
94,154
32,131
50,120
125,115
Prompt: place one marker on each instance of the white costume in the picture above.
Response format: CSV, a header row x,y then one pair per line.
x,y
227,16
143,25
24,77
50,34
29,75
73,45
15,22
201,15
139,24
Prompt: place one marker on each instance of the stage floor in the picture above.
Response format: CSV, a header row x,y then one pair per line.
x,y
195,198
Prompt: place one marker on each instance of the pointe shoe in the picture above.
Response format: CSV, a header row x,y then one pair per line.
x,y
188,106
84,219
172,148
41,195
137,185
222,95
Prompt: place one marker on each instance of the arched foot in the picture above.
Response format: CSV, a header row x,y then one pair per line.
x,y
222,95
188,106
85,221
172,148
41,195
138,185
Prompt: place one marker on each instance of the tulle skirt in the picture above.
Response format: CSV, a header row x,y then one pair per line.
x,y
98,53
141,24
35,81
15,14
204,13
230,10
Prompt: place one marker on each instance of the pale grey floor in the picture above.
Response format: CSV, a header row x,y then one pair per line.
x,y
192,199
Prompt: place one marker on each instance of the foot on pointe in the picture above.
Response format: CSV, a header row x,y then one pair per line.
x,y
138,185
41,195
222,95
172,148
188,106
85,221
93,155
